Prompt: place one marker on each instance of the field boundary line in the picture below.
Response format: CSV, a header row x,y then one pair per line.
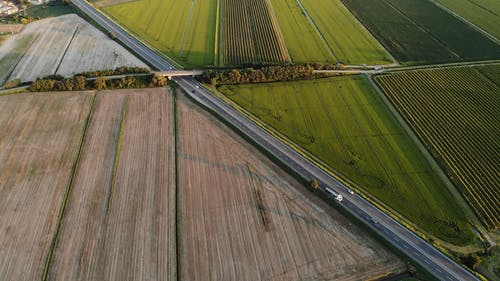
x,y
427,31
443,65
77,30
62,211
217,34
311,21
176,179
464,20
7,77
358,22
117,155
186,30
277,28
413,135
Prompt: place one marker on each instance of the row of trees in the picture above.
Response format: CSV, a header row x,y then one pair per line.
x,y
117,71
81,83
264,74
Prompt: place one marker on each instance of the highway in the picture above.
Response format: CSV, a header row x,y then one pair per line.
x,y
438,264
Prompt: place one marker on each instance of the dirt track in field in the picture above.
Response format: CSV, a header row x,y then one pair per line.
x,y
39,141
242,218
105,3
122,226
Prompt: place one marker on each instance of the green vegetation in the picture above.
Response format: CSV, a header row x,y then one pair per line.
x,y
37,12
264,74
483,13
345,123
183,30
349,40
303,42
419,31
490,265
117,71
250,34
491,72
81,83
456,112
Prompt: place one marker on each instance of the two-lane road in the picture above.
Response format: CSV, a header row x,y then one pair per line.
x,y
442,267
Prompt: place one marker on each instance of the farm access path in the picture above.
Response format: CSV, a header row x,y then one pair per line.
x,y
419,250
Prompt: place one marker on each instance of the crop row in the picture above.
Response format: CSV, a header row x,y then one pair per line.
x,y
419,31
250,34
456,113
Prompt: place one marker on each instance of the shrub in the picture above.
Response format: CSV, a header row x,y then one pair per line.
x,y
12,83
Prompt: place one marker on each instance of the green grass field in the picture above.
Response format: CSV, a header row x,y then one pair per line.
x,y
346,124
483,13
303,42
350,41
183,30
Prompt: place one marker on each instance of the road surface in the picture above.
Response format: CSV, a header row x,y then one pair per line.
x,y
438,264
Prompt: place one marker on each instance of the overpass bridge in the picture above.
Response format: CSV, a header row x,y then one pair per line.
x,y
179,73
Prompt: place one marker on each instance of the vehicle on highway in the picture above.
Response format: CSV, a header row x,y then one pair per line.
x,y
332,193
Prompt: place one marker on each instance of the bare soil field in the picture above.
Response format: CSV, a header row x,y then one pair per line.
x,y
120,218
242,218
39,142
63,45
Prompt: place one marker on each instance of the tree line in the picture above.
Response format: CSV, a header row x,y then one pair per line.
x,y
81,83
265,74
117,71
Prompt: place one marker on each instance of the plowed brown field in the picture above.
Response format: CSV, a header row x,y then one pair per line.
x,y
242,218
39,142
120,219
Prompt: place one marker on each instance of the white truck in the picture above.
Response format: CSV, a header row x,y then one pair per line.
x,y
331,193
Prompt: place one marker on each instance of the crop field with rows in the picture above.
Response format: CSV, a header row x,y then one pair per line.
x,y
483,13
183,30
297,30
456,112
250,34
347,37
344,123
421,32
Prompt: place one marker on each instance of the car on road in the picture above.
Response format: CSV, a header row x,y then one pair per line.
x,y
350,191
